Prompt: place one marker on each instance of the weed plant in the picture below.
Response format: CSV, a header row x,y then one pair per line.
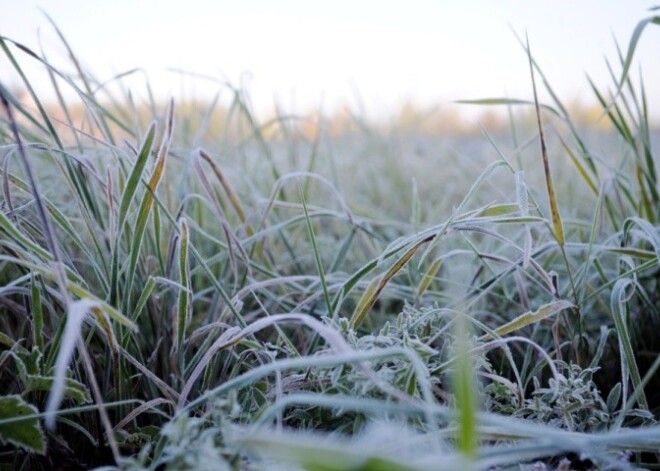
x,y
196,289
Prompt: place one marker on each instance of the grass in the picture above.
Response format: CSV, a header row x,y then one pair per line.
x,y
195,289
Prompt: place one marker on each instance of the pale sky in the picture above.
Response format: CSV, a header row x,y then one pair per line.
x,y
307,55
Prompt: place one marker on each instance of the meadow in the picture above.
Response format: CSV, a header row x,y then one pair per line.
x,y
185,286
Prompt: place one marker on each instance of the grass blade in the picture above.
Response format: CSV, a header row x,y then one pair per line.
x,y
629,370
317,253
366,304
184,304
148,199
464,391
428,277
632,46
523,320
554,207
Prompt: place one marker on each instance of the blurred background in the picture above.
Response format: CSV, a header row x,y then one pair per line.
x,y
299,57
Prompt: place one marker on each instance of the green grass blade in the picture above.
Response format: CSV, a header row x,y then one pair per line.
x,y
127,197
317,253
580,168
629,370
12,231
135,176
28,85
184,304
37,315
148,200
463,377
632,46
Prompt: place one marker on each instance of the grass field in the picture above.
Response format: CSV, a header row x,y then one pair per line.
x,y
183,286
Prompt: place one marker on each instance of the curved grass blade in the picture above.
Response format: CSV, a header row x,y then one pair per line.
x,y
76,316
632,45
629,371
649,231
233,199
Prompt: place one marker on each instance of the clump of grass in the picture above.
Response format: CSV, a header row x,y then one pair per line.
x,y
254,306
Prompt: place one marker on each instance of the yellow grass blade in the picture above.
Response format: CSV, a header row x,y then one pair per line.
x,y
365,305
530,317
557,224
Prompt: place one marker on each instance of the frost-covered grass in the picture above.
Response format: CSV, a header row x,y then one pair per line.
x,y
190,288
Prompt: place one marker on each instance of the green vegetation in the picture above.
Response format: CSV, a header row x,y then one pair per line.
x,y
190,288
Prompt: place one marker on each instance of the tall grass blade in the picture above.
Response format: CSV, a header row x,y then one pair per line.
x,y
148,199
85,80
127,198
46,226
554,207
135,176
184,304
463,377
30,89
317,253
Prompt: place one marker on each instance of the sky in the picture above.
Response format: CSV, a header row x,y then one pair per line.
x,y
303,55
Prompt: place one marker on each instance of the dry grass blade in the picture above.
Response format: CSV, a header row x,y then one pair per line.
x,y
554,207
228,191
428,277
366,304
543,312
